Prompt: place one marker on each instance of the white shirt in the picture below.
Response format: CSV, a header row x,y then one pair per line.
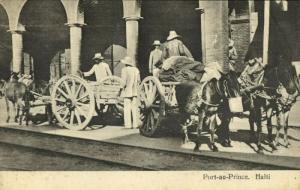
x,y
101,71
154,58
131,78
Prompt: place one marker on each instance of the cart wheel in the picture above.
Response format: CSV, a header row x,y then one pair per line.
x,y
152,106
73,102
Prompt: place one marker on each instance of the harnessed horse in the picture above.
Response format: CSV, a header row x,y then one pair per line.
x,y
211,98
18,94
279,76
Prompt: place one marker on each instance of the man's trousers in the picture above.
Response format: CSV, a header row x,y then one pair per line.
x,y
130,112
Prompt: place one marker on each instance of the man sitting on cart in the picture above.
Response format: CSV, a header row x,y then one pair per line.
x,y
100,68
175,47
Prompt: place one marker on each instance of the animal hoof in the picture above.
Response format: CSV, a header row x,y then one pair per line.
x,y
226,143
214,148
273,146
186,141
287,144
260,151
196,149
276,143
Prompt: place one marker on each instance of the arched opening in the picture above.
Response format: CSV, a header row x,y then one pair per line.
x,y
162,16
105,27
46,35
238,8
5,45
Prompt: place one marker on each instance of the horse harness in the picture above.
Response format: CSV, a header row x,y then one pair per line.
x,y
201,98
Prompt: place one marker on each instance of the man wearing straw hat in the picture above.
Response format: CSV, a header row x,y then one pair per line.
x,y
175,47
155,59
131,77
100,68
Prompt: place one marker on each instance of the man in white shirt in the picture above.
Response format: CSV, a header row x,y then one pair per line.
x,y
131,77
155,59
100,68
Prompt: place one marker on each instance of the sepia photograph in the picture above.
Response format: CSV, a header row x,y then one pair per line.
x,y
150,85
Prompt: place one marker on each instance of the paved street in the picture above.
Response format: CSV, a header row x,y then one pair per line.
x,y
21,158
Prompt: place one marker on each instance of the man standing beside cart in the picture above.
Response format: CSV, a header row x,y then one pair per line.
x,y
155,59
131,77
100,68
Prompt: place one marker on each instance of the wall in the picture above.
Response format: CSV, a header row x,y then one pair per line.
x,y
215,30
241,36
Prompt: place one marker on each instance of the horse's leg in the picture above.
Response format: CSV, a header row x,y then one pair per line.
x,y
251,123
185,131
49,113
16,111
226,142
199,129
270,127
285,127
27,115
269,123
259,128
21,112
212,127
278,127
7,110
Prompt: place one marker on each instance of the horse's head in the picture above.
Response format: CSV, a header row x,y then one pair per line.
x,y
287,76
230,85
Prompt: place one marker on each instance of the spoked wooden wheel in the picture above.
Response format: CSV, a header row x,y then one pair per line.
x,y
73,102
152,106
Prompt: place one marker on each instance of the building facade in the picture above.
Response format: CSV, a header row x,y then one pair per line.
x,y
46,29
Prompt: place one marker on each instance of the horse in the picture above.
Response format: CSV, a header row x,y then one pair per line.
x,y
207,100
283,76
287,86
18,94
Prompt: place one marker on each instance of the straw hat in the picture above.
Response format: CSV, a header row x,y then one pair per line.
x,y
98,56
173,35
127,61
156,43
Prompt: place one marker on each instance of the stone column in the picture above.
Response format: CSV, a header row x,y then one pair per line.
x,y
214,25
75,46
203,35
132,34
17,50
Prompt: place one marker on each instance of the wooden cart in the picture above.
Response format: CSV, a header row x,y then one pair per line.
x,y
157,100
75,100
